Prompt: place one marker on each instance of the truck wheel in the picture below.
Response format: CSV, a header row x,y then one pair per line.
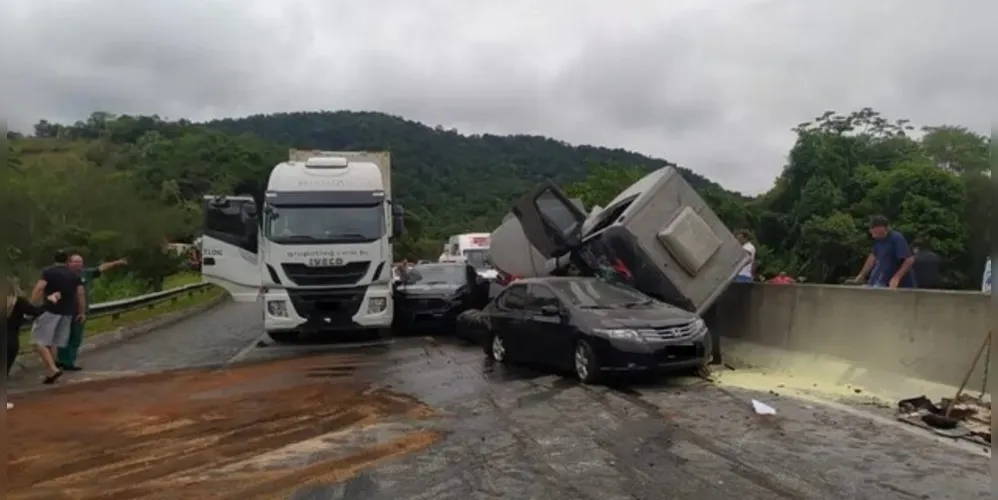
x,y
284,337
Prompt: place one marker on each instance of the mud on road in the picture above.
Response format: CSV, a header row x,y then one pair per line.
x,y
257,431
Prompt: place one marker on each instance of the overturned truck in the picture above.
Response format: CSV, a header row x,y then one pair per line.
x,y
658,235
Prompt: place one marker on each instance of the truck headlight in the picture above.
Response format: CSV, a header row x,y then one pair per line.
x,y
617,333
277,308
376,305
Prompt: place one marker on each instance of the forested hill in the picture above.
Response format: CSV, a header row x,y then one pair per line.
x,y
111,185
459,182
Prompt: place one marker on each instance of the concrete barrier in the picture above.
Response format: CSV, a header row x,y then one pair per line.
x,y
891,343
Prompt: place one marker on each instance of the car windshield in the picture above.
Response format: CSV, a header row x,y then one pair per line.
x,y
436,274
479,259
600,294
325,224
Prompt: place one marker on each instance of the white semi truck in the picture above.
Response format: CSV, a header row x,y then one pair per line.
x,y
318,253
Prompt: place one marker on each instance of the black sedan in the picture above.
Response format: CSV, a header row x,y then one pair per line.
x,y
587,325
431,296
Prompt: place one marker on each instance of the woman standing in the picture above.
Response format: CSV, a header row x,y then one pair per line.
x,y
18,311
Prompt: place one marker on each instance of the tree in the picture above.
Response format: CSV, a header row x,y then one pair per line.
x,y
152,173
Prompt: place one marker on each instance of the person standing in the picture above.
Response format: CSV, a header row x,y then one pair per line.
x,y
18,310
51,328
746,274
986,281
67,356
927,266
890,260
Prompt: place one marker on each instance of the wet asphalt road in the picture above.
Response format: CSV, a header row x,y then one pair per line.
x,y
522,434
517,433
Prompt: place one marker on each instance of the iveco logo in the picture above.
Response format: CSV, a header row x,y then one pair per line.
x,y
324,262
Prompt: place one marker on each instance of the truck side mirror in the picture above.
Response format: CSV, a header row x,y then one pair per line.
x,y
398,220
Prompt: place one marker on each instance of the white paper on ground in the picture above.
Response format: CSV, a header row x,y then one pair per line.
x,y
763,408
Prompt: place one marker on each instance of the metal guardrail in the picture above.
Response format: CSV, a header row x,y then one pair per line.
x,y
115,308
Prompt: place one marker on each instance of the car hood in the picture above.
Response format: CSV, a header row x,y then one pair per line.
x,y
646,317
416,289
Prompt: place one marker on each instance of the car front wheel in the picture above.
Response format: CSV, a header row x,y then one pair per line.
x,y
496,348
586,366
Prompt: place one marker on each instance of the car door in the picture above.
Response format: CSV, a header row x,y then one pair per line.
x,y
550,335
510,319
551,221
229,247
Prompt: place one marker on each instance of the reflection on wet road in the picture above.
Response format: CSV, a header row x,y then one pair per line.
x,y
433,419
519,434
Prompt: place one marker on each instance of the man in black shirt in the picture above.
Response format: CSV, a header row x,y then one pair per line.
x,y
926,266
51,329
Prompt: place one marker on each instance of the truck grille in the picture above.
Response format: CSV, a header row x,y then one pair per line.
x,y
341,304
349,274
676,332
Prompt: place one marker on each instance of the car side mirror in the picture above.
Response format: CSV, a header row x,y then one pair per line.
x,y
550,310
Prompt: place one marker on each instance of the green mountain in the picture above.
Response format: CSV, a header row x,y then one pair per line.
x,y
457,182
112,185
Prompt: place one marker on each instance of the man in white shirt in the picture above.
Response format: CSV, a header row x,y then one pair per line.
x,y
745,275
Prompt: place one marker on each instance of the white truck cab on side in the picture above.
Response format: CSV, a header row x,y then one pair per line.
x,y
321,247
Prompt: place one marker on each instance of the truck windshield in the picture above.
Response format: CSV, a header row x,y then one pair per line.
x,y
478,259
305,225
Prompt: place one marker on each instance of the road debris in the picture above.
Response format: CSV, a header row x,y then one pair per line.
x,y
969,417
762,408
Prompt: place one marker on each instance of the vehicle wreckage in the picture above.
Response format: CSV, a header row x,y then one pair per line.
x,y
658,236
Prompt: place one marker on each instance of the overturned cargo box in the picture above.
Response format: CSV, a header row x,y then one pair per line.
x,y
658,235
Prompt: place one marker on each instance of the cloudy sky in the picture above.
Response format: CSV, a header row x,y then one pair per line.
x,y
714,85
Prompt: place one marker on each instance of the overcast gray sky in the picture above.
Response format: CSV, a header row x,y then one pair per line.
x,y
714,85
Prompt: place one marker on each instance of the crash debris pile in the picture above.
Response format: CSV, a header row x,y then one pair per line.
x,y
969,418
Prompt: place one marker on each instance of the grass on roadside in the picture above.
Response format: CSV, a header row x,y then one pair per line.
x,y
181,279
106,324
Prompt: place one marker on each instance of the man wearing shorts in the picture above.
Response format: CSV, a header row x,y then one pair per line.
x,y
51,329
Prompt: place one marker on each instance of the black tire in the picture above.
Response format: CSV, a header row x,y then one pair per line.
x,y
587,370
284,337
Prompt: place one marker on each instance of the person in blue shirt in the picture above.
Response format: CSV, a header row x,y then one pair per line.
x,y
890,260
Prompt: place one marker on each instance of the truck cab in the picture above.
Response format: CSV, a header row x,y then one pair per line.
x,y
319,258
658,236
